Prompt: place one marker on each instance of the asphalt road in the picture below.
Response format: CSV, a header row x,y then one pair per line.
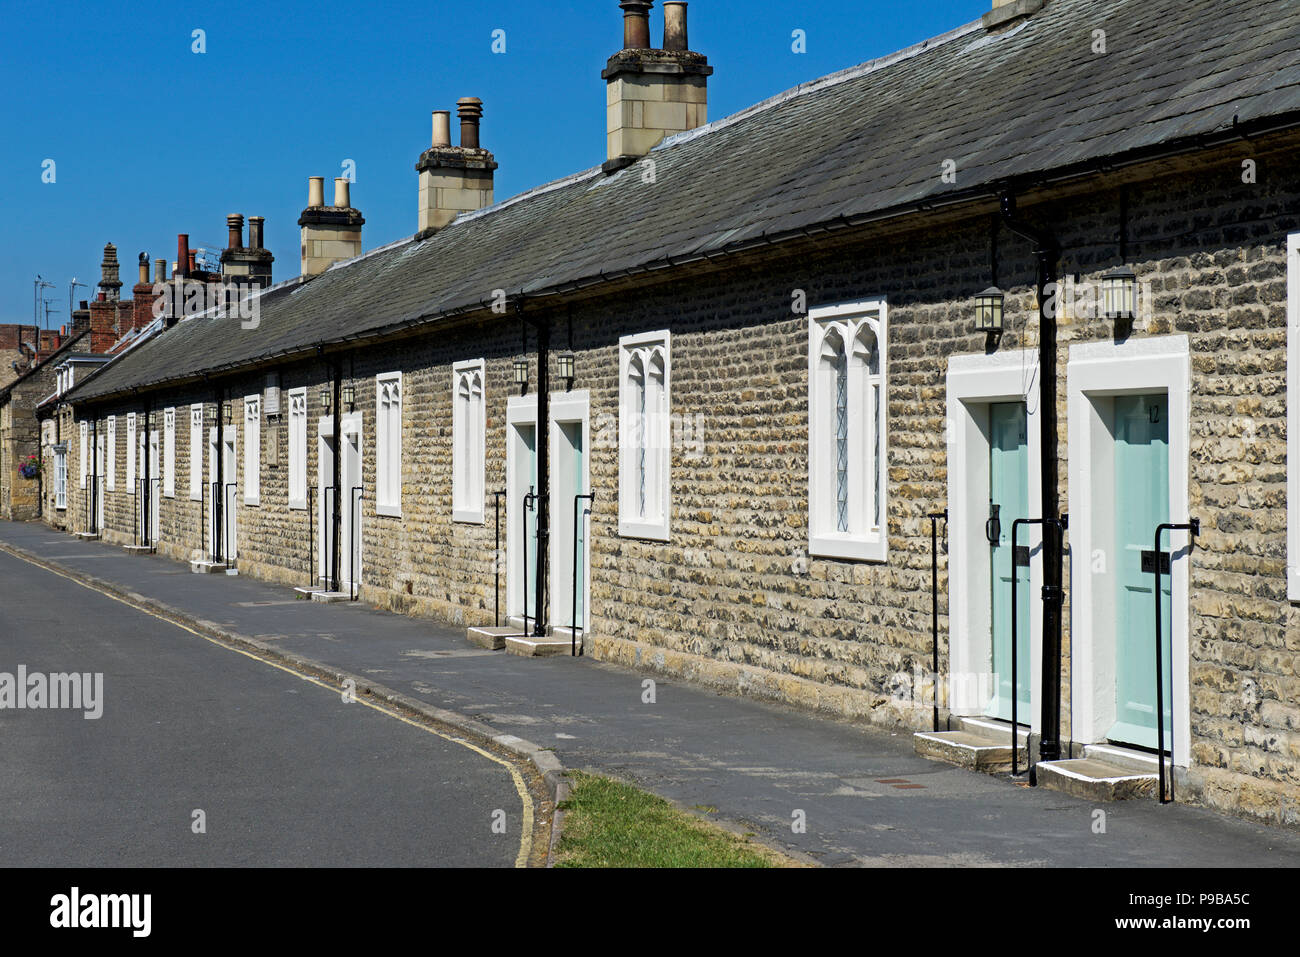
x,y
282,769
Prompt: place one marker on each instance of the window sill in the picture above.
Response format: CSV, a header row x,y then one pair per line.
x,y
196,498
255,500
849,548
467,516
392,511
649,531
297,505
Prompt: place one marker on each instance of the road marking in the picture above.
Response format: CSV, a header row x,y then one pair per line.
x,y
526,841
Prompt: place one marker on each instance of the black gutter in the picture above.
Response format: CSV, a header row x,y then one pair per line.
x,y
1047,252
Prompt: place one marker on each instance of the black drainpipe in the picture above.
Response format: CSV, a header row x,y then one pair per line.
x,y
1048,254
93,522
336,515
543,469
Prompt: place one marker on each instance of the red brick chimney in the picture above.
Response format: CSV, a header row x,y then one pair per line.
x,y
142,297
103,322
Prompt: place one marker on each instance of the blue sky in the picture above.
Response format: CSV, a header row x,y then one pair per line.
x,y
150,139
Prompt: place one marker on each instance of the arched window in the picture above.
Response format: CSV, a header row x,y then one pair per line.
x,y
645,435
468,441
846,448
388,444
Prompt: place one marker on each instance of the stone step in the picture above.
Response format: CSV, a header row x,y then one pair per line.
x,y
992,728
138,549
1141,762
492,637
208,568
968,749
88,536
331,597
1095,780
304,592
531,647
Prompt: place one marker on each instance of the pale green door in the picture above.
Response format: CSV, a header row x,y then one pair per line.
x,y
1009,493
570,480
1141,497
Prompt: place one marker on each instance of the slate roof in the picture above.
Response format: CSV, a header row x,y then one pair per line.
x,y
855,145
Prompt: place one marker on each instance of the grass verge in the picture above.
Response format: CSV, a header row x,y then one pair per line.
x,y
611,824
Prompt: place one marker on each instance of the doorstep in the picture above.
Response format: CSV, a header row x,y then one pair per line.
x,y
210,568
138,549
87,536
492,637
331,597
530,646
977,744
1106,772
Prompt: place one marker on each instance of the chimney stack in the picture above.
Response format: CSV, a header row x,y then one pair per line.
x,y
142,297
109,283
454,179
180,268
247,265
652,94
330,234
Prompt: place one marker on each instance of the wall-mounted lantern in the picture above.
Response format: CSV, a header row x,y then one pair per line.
x,y
565,363
210,414
521,371
988,312
1119,294
229,410
326,399
350,396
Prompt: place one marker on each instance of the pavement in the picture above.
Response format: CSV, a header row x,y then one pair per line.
x,y
838,793
202,756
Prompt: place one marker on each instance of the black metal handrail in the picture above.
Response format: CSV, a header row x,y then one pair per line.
x,y
1060,525
573,618
934,518
1193,528
354,589
216,532
528,503
327,578
496,558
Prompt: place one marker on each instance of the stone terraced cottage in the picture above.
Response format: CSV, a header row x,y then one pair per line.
x,y
1045,266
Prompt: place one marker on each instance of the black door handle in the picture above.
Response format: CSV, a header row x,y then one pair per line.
x,y
993,527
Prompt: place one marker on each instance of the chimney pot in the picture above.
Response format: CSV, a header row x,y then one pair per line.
x,y
636,24
315,192
193,266
144,269
341,199
182,263
235,226
470,109
675,26
441,128
160,270
255,224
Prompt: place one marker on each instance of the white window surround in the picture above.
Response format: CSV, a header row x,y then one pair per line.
x,y
973,383
253,449
388,444
1293,417
1098,371
469,440
849,327
111,454
298,448
169,453
131,452
645,436
85,448
196,452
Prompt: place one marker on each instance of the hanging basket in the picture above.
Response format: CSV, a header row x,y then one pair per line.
x,y
30,468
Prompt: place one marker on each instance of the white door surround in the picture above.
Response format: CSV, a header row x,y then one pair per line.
x,y
567,408
973,383
521,411
1097,372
